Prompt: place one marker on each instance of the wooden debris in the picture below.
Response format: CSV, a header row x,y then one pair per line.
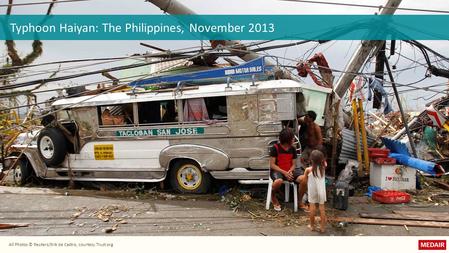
x,y
439,184
410,223
13,225
395,216
422,213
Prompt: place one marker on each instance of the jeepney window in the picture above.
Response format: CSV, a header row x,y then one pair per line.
x,y
205,109
116,115
316,101
300,105
63,115
156,112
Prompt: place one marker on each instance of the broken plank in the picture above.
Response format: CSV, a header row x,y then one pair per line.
x,y
394,216
422,213
12,225
429,224
439,184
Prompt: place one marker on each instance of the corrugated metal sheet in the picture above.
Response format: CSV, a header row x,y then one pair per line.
x,y
348,150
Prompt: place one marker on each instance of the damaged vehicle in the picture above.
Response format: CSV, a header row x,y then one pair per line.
x,y
188,135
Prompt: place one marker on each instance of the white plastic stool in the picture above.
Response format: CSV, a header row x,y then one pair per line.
x,y
287,194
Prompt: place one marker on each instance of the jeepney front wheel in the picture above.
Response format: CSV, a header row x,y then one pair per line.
x,y
52,146
21,173
187,177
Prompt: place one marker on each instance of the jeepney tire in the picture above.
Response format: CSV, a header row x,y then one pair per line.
x,y
22,172
52,146
178,174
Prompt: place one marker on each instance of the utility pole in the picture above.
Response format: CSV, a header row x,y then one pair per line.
x,y
379,74
396,94
174,7
362,53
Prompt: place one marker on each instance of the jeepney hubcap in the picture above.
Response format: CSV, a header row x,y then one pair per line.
x,y
189,177
18,173
47,147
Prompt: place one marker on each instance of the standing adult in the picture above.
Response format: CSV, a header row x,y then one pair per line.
x,y
311,139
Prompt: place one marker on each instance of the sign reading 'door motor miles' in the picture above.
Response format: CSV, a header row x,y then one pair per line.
x,y
161,132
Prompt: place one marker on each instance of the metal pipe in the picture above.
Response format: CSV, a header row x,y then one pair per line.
x,y
400,133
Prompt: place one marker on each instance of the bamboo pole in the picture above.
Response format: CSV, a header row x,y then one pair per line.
x,y
364,140
357,136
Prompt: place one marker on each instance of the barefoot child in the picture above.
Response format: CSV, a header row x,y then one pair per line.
x,y
317,188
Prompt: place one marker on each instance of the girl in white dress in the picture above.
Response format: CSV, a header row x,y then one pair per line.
x,y
316,188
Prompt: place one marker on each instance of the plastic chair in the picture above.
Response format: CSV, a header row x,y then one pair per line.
x,y
287,185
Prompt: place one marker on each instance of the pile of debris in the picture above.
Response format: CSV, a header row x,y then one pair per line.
x,y
249,203
111,213
379,124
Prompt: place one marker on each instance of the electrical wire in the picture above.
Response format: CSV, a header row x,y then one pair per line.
x,y
40,3
104,92
379,7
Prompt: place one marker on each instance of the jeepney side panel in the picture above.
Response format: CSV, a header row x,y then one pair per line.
x,y
207,157
38,165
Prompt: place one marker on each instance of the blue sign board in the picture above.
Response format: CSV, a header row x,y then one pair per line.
x,y
256,66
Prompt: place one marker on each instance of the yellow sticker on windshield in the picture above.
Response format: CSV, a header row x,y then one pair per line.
x,y
104,152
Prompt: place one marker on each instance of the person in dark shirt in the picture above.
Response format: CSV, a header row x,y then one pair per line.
x,y
282,163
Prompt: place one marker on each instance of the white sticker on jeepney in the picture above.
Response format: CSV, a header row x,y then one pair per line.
x,y
104,152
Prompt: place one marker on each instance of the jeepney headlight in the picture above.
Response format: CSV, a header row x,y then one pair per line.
x,y
8,162
24,138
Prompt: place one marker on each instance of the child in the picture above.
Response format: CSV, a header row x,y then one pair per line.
x,y
301,179
316,188
282,163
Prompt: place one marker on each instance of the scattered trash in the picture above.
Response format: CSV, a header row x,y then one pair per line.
x,y
111,229
411,223
105,213
371,190
245,197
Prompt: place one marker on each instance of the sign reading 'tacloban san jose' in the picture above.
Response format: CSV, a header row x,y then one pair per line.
x,y
161,132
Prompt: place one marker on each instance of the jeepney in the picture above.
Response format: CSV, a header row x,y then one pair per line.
x,y
186,135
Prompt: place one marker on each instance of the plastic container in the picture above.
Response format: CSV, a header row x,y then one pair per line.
x,y
378,153
391,197
385,161
341,196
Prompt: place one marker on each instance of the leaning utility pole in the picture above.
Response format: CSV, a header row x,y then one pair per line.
x,y
362,53
174,7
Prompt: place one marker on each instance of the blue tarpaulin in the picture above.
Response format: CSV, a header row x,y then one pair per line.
x,y
424,166
399,151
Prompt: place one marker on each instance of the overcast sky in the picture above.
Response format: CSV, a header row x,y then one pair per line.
x,y
338,53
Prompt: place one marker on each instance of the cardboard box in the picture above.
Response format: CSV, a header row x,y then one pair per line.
x,y
392,177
